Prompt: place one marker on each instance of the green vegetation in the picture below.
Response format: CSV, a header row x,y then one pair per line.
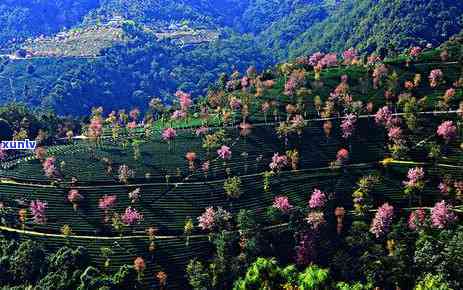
x,y
250,33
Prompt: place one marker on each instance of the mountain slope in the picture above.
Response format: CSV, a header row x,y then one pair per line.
x,y
21,19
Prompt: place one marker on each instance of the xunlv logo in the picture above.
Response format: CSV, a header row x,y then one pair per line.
x,y
21,144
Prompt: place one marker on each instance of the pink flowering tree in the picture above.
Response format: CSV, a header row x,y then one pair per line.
x,y
414,53
107,204
436,76
348,125
315,58
178,115
416,219
415,180
278,162
131,216
207,219
213,219
442,215
169,135
383,117
95,129
318,199
447,131
49,168
341,158
282,204
184,100
382,221
224,153
38,211
75,198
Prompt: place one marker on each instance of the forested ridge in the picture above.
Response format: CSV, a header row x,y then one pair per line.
x,y
251,33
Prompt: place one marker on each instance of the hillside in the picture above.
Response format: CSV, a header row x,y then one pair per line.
x,y
265,161
382,26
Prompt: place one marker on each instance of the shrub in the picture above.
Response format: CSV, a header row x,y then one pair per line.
x,y
432,282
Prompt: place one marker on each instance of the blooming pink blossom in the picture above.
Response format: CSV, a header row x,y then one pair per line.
x,y
415,177
435,77
212,218
184,100
348,125
224,152
450,93
415,51
416,219
383,220
383,116
290,87
317,199
442,215
447,130
169,134
342,155
282,203
278,162
206,220
132,125
38,209
349,56
315,58
298,121
201,130
49,167
409,85
178,115
107,202
329,60
395,134
74,196
131,216
232,85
